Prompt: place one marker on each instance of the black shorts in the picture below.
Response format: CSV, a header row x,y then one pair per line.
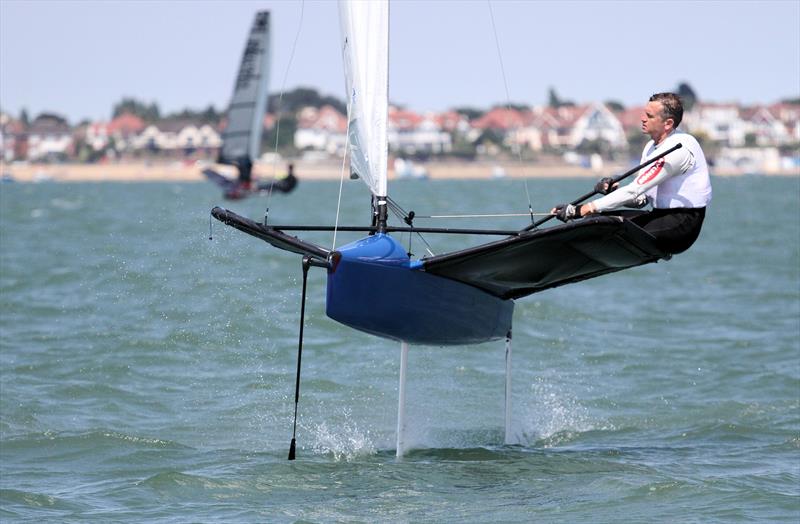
x,y
675,229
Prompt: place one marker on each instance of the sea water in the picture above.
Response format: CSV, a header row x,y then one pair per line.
x,y
148,372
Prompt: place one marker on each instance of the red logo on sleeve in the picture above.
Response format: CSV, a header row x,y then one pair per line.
x,y
651,172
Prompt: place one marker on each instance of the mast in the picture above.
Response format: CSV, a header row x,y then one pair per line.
x,y
380,213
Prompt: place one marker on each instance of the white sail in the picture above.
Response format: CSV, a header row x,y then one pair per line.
x,y
242,136
365,49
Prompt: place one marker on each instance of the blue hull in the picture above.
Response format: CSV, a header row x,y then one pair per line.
x,y
375,287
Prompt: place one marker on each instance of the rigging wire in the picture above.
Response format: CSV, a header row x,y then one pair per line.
x,y
427,246
398,210
408,218
341,177
508,104
401,213
280,100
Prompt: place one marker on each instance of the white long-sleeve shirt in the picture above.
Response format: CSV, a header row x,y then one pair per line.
x,y
677,180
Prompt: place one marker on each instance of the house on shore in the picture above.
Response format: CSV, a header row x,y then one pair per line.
x,y
320,129
412,134
49,138
13,139
561,128
178,139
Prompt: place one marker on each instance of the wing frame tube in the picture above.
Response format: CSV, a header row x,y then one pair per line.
x,y
270,235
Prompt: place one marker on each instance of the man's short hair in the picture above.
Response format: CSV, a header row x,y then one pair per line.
x,y
671,106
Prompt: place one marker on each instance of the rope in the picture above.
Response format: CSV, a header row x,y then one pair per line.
x,y
280,101
508,104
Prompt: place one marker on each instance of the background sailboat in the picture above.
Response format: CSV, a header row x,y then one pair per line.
x,y
241,139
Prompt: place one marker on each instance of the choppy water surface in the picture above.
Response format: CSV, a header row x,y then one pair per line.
x,y
148,373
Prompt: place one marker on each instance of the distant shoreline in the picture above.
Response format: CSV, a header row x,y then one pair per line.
x,y
184,172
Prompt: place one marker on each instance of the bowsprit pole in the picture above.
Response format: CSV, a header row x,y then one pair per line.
x,y
293,445
615,180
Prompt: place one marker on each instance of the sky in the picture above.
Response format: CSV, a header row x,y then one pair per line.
x,y
79,58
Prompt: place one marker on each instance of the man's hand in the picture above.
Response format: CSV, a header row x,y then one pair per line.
x,y
606,185
566,212
639,202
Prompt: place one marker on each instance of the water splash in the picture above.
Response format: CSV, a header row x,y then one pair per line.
x,y
552,416
345,441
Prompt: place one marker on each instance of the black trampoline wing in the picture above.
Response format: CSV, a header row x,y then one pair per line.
x,y
545,258
270,235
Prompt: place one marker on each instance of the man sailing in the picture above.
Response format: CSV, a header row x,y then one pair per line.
x,y
677,186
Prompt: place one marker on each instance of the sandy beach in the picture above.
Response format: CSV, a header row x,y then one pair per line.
x,y
192,171
180,171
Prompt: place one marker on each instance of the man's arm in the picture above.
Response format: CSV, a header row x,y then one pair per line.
x,y
675,163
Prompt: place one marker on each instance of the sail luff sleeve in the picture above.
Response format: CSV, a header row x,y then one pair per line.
x,y
365,53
